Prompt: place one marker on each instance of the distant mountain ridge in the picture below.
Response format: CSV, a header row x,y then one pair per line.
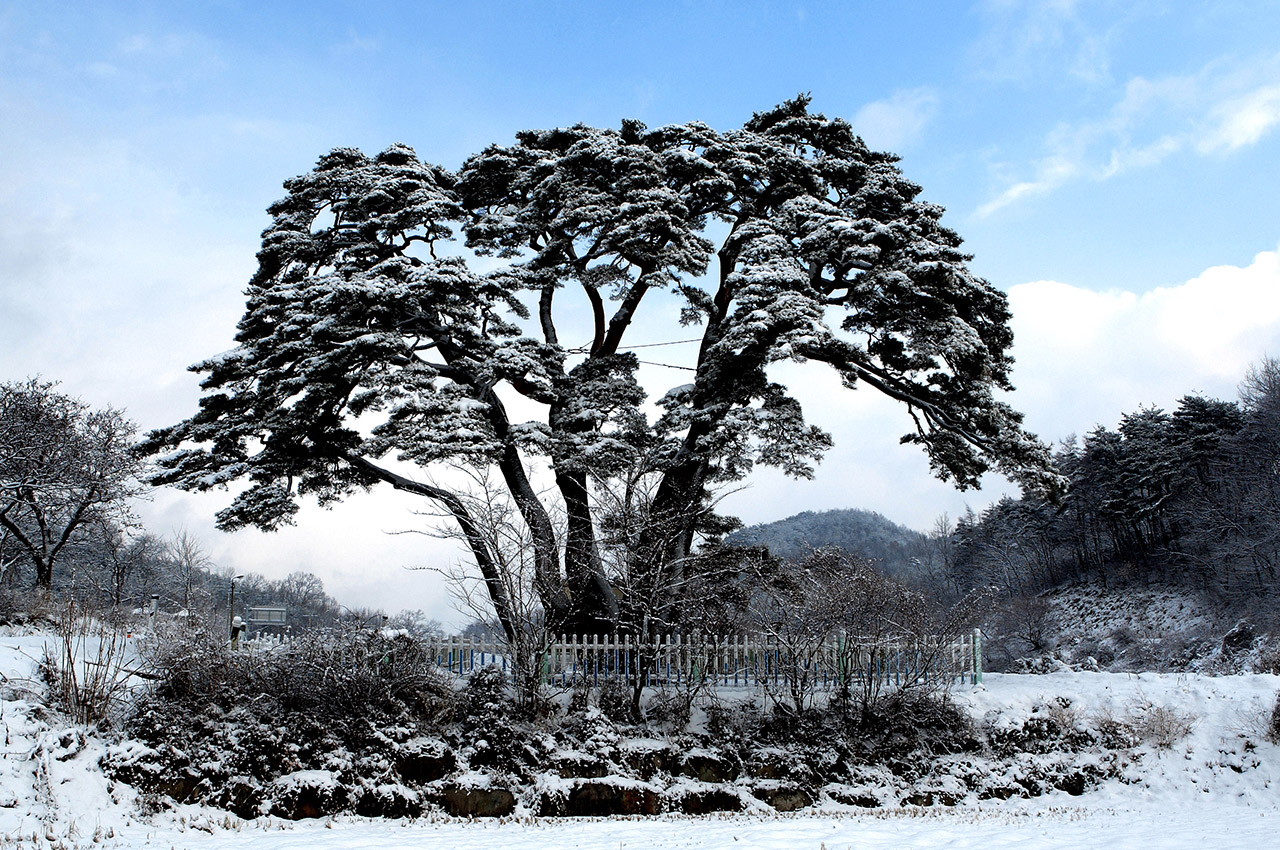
x,y
861,532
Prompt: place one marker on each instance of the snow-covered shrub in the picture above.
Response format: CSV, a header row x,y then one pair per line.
x,y
1273,723
19,606
910,728
492,736
1101,653
325,674
615,700
735,723
1143,722
1115,731
671,708
1052,726
86,671
1160,725
222,727
595,733
1268,657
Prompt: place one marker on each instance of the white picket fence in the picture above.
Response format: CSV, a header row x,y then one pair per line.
x,y
736,661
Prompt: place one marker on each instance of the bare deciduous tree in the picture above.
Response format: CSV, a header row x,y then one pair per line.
x,y
190,564
64,467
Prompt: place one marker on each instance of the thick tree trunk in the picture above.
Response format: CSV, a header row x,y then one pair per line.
x,y
658,562
546,554
44,572
38,546
593,604
667,537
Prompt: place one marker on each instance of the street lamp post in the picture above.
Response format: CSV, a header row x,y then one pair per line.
x,y
231,607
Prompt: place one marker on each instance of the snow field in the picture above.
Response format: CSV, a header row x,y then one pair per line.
x,y
1213,787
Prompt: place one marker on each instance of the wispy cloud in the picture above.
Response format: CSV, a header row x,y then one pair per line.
x,y
1242,121
898,120
1216,111
357,43
1023,38
152,63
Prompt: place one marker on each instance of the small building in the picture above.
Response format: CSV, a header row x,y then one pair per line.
x,y
266,618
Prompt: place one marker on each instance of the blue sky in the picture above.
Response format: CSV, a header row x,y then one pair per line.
x,y
1111,165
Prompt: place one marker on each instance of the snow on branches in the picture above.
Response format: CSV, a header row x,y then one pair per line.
x,y
423,303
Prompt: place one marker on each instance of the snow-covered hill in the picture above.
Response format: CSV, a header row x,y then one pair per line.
x,y
1125,629
1196,770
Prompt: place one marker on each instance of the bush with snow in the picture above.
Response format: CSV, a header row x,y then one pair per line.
x,y
227,728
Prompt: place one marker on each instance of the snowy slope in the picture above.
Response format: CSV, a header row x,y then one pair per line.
x,y
1217,786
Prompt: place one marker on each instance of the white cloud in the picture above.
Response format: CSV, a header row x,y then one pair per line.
x,y
896,121
1243,120
1220,109
1086,357
1051,173
358,549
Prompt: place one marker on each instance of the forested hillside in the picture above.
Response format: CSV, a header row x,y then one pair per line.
x,y
1188,497
867,534
1172,512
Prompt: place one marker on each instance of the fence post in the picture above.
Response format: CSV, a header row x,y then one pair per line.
x,y
977,656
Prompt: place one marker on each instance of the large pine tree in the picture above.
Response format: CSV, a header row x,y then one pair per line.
x,y
365,306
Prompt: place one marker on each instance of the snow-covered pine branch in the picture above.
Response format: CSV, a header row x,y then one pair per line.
x,y
399,293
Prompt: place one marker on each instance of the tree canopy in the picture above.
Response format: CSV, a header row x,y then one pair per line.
x,y
400,309
64,468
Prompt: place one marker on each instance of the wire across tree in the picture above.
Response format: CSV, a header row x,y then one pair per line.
x,y
373,342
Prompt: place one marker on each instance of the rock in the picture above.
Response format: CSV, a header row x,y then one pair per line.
x,y
181,787
853,797
929,798
784,798
580,766
648,761
307,794
1032,787
1073,783
424,760
599,797
466,801
242,796
388,801
1239,638
767,769
551,804
707,767
779,764
150,771
708,800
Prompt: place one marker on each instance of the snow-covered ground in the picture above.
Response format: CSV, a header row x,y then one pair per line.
x,y
1217,786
